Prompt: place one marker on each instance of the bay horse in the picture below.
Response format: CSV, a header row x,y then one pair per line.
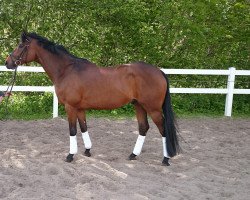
x,y
81,85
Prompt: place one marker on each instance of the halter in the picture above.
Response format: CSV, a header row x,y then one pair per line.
x,y
17,60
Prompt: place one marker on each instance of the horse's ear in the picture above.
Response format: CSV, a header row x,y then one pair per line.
x,y
24,36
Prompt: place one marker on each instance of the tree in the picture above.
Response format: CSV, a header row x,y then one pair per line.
x,y
170,34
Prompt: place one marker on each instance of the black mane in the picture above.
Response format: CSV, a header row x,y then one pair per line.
x,y
48,45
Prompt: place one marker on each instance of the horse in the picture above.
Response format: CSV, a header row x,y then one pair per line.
x,y
81,85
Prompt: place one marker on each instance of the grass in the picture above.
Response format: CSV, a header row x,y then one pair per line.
x,y
33,107
111,115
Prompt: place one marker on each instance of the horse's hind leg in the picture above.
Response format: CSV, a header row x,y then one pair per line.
x,y
158,119
85,135
143,126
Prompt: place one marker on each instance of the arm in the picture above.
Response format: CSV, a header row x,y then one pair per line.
x,y
2,95
1,98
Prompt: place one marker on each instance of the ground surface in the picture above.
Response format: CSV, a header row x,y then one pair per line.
x,y
215,163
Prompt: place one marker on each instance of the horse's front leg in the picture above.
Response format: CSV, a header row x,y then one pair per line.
x,y
85,135
72,118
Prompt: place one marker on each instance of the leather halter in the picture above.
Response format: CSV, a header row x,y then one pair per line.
x,y
17,60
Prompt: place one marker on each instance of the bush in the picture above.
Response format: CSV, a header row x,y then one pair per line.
x,y
168,34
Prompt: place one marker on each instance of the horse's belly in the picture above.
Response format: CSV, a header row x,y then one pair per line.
x,y
106,101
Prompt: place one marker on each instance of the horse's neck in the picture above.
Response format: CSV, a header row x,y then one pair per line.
x,y
53,65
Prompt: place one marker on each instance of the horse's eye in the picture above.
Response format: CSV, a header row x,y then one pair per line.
x,y
21,45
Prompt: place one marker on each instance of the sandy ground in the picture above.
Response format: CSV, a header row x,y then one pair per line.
x,y
215,163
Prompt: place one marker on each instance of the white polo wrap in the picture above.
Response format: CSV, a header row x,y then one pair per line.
x,y
165,153
138,145
73,145
86,140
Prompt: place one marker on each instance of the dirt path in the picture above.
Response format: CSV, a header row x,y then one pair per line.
x,y
215,163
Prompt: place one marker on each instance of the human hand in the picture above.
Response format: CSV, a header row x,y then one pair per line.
x,y
4,94
7,94
1,98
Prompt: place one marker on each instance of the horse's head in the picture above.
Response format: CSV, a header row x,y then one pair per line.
x,y
23,53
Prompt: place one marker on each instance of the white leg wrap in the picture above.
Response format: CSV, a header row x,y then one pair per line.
x,y
165,153
138,145
73,145
86,140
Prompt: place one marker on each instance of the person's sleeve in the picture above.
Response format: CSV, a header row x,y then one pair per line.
x,y
1,94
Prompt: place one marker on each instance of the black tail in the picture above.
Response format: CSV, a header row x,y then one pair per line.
x,y
170,129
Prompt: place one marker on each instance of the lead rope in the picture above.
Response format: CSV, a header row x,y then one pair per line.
x,y
9,89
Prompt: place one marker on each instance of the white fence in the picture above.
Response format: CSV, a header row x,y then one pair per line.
x,y
229,90
33,88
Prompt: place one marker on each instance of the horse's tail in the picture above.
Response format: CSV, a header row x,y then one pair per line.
x,y
170,125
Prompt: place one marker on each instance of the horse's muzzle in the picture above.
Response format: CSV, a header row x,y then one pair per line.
x,y
10,65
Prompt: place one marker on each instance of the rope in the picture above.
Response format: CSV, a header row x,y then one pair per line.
x,y
9,90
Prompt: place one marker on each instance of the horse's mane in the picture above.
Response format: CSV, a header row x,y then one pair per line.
x,y
48,45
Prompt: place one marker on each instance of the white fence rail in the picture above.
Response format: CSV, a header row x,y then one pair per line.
x,y
229,90
33,88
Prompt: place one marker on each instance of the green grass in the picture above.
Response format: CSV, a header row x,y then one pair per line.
x,y
39,106
111,115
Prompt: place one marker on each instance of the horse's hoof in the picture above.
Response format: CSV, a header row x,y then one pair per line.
x,y
69,158
165,161
132,157
87,153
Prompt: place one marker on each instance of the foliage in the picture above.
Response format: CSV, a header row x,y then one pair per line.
x,y
210,34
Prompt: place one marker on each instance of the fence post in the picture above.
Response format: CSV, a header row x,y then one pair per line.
x,y
55,105
230,89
